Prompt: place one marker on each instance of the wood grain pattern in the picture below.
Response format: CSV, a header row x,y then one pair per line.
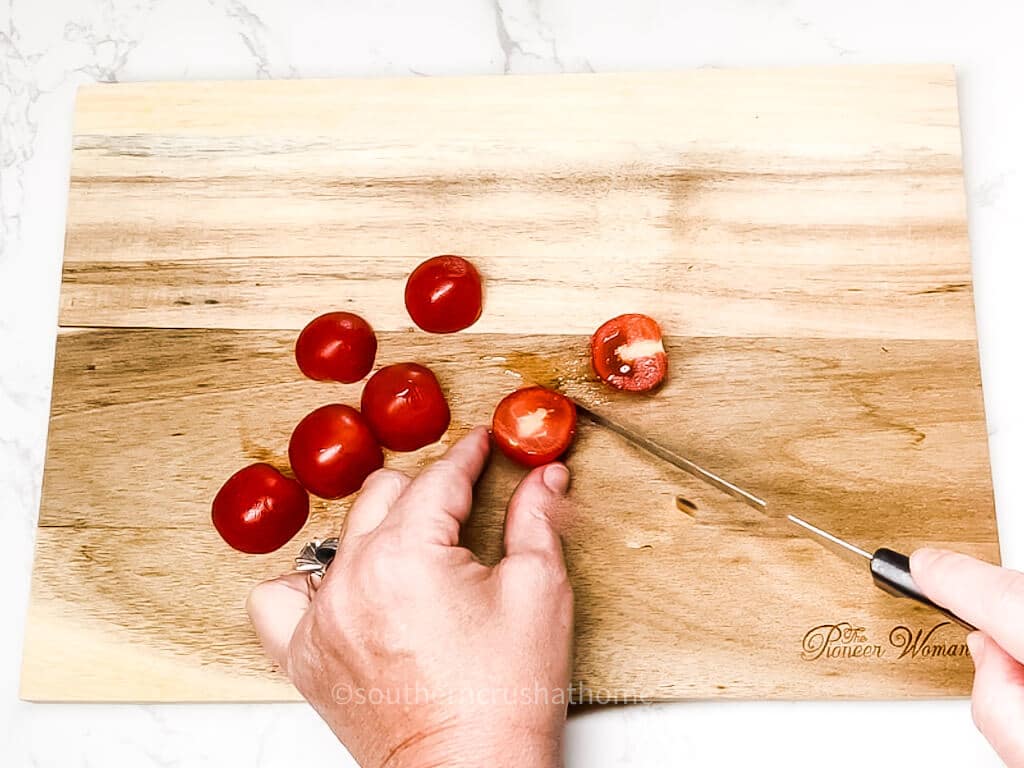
x,y
799,233
785,203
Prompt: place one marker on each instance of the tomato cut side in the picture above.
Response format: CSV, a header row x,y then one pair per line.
x,y
534,425
628,353
337,346
405,406
444,294
332,450
259,510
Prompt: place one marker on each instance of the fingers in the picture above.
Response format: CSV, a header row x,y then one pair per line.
x,y
998,699
275,608
528,525
438,501
989,597
379,493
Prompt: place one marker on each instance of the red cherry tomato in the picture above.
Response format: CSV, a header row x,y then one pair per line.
x,y
627,352
332,450
405,407
444,295
338,346
534,425
258,509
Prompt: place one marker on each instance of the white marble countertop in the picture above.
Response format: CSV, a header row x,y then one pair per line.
x,y
48,47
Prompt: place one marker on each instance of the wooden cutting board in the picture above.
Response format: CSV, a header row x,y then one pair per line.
x,y
800,235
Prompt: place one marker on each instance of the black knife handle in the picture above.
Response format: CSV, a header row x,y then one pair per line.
x,y
891,572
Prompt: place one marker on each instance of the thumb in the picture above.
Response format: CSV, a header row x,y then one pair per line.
x,y
528,524
275,608
997,702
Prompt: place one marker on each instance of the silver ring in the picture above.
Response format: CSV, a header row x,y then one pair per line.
x,y
313,560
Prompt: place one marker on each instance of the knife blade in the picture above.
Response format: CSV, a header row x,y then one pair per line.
x,y
890,570
675,459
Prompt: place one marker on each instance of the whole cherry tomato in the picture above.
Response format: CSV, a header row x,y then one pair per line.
x,y
628,353
405,406
338,346
534,425
258,509
332,450
444,294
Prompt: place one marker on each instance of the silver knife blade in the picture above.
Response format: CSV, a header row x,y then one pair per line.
x,y
673,458
844,549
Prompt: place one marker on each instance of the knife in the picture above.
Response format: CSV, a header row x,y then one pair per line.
x,y
674,459
889,569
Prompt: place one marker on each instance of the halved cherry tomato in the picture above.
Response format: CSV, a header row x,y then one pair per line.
x,y
405,406
627,352
338,346
258,509
444,294
332,450
534,425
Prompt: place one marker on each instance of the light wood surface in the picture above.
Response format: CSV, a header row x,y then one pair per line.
x,y
800,234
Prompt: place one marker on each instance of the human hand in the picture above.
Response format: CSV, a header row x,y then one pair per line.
x,y
992,599
414,652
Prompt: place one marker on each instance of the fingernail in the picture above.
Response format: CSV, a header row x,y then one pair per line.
x,y
976,645
556,478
